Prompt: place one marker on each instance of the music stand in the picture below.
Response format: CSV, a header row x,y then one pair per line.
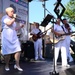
x,y
46,20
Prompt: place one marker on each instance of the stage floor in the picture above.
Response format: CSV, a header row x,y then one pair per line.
x,y
35,68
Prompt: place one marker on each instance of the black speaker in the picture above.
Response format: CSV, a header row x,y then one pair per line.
x,y
49,53
46,20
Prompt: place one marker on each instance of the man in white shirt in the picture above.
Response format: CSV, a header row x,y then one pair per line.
x,y
67,29
60,45
37,42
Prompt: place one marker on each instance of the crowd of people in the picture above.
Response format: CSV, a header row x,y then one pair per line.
x,y
11,43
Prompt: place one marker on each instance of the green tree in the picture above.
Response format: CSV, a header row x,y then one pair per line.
x,y
70,11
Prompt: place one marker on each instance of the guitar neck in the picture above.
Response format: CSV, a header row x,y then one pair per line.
x,y
46,30
68,33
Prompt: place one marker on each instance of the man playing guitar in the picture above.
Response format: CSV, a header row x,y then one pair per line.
x,y
61,45
37,38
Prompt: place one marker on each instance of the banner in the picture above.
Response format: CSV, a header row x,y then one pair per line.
x,y
21,9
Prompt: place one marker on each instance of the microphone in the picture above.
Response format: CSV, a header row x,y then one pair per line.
x,y
16,16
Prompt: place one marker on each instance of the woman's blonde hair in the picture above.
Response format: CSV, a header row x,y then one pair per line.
x,y
9,9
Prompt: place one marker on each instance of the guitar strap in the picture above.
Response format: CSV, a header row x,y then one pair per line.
x,y
40,30
63,29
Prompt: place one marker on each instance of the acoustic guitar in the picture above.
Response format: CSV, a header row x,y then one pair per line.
x,y
55,39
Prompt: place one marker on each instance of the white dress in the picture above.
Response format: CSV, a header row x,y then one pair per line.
x,y
10,42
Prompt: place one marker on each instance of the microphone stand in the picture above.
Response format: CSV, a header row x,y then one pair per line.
x,y
54,71
47,10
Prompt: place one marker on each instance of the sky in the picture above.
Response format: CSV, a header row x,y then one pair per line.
x,y
36,9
